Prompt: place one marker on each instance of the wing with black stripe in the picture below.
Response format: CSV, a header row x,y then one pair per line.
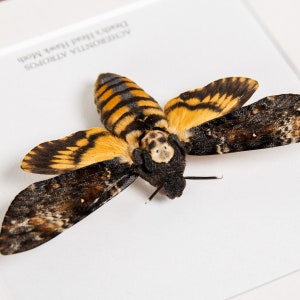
x,y
75,151
196,107
46,208
272,121
126,110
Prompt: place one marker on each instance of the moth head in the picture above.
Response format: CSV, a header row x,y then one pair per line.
x,y
163,169
174,185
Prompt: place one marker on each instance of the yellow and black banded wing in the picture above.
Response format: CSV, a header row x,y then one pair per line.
x,y
198,106
273,121
46,208
126,110
75,151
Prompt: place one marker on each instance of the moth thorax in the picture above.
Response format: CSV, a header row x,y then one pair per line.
x,y
155,142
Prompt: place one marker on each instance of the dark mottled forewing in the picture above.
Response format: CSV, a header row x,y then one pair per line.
x,y
46,208
270,122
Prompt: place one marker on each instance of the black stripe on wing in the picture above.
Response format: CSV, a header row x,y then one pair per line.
x,y
46,208
270,122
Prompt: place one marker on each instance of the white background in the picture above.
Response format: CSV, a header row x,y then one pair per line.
x,y
236,235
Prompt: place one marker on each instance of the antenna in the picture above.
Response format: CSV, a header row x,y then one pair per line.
x,y
188,178
155,192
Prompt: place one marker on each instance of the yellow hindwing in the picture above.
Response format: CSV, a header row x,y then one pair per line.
x,y
198,106
75,151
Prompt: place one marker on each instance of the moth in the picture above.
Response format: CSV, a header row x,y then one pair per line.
x,y
140,139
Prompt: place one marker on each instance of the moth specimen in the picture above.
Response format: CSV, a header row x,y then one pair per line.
x,y
142,140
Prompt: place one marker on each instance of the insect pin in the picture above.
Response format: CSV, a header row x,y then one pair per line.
x,y
140,139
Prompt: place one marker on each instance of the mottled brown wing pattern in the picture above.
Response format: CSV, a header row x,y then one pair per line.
x,y
126,110
272,121
141,140
198,106
75,151
46,208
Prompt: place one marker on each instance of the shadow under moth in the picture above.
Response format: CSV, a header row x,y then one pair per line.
x,y
140,139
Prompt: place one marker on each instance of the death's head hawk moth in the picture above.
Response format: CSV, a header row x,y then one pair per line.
x,y
140,139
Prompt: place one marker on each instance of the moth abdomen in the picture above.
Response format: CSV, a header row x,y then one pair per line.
x,y
125,108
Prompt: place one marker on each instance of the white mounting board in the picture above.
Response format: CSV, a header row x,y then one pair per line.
x,y
221,237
